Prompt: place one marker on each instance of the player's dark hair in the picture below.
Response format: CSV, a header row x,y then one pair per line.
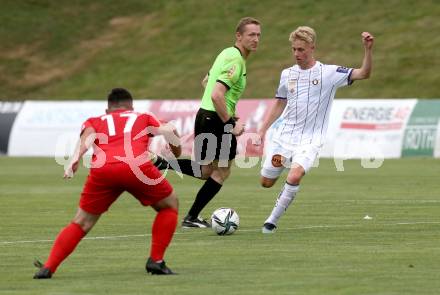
x,y
119,95
244,22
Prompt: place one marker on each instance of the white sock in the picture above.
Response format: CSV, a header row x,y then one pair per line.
x,y
283,201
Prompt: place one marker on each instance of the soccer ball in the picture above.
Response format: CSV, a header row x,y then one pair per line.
x,y
224,221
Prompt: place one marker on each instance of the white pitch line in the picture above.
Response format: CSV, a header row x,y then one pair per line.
x,y
86,238
411,223
5,243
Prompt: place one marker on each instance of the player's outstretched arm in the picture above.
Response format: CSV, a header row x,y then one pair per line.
x,y
365,70
85,142
172,137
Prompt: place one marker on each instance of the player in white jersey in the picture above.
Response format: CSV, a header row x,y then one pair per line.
x,y
303,101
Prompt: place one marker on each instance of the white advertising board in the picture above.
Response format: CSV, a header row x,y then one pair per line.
x,y
50,128
367,128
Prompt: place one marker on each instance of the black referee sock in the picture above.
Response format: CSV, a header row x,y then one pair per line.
x,y
186,166
161,163
206,193
189,167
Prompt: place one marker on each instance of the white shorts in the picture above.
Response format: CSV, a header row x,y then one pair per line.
x,y
278,158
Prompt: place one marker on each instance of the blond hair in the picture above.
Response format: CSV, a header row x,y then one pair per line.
x,y
303,33
244,22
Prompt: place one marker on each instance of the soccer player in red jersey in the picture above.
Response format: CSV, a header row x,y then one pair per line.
x,y
120,162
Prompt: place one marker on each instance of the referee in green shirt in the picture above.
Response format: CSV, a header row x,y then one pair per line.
x,y
215,143
215,126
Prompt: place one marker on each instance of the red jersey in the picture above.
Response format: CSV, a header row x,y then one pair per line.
x,y
118,134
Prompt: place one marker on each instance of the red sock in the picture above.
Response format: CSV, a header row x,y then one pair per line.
x,y
163,229
64,244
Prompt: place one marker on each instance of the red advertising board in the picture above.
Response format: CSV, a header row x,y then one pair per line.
x,y
181,113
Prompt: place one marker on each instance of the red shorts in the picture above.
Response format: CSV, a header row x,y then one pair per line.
x,y
104,185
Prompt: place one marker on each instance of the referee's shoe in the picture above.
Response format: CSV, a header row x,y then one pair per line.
x,y
195,222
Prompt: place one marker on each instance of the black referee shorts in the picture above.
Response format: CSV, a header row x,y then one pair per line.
x,y
213,139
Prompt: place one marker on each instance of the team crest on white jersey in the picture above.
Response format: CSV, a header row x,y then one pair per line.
x,y
291,85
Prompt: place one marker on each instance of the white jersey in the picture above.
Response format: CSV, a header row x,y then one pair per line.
x,y
309,95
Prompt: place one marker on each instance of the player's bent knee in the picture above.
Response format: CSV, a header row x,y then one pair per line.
x,y
226,174
172,201
206,171
169,202
294,178
85,220
86,225
221,174
295,175
267,182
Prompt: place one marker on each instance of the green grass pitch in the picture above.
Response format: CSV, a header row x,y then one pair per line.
x,y
323,245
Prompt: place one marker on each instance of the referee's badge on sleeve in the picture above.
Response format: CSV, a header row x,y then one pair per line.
x,y
231,71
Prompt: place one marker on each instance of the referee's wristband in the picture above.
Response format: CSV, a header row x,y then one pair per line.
x,y
230,121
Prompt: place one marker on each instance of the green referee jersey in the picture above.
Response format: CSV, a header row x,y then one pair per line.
x,y
229,68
